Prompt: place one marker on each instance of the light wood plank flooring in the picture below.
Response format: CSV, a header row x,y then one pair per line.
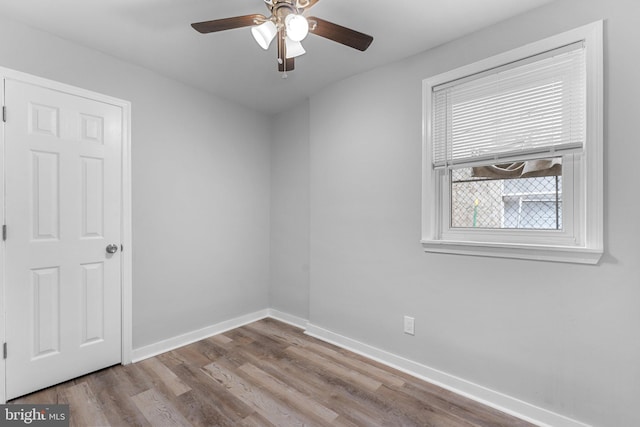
x,y
264,374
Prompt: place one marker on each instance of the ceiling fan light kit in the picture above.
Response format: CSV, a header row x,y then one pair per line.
x,y
288,23
297,27
264,34
293,48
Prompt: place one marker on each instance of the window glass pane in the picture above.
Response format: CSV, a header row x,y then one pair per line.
x,y
522,195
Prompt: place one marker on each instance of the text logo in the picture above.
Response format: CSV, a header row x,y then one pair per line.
x,y
34,415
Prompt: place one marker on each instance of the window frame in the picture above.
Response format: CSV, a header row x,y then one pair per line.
x,y
581,240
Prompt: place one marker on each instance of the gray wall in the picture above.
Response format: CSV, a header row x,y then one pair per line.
x,y
201,171
560,336
289,279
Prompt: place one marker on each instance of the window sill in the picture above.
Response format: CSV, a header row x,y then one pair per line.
x,y
568,254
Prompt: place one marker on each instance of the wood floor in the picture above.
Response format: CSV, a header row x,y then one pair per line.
x,y
264,374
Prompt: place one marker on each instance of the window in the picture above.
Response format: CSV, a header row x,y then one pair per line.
x,y
512,155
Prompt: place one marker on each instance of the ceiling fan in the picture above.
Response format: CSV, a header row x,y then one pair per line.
x,y
289,23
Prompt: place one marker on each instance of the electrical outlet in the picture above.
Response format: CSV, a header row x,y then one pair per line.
x,y
409,325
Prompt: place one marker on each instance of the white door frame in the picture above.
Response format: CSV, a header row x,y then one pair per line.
x,y
127,271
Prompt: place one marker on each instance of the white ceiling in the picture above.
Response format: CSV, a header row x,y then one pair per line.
x,y
156,34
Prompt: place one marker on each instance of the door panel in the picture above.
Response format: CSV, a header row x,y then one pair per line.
x,y
45,210
92,197
92,303
63,207
45,288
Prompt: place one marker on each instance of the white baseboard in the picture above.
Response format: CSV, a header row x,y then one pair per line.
x,y
296,321
486,396
191,337
494,399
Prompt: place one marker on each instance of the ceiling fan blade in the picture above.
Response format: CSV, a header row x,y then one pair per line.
x,y
340,34
284,63
228,23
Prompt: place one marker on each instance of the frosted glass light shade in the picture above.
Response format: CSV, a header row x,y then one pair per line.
x,y
264,33
297,27
294,48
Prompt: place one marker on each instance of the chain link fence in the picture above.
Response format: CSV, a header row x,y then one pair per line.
x,y
520,203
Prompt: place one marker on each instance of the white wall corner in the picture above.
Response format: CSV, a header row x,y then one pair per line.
x,y
296,321
169,344
200,334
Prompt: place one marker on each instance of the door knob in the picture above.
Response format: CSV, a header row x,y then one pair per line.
x,y
112,249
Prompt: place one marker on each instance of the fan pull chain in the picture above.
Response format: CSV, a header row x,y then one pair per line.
x,y
283,61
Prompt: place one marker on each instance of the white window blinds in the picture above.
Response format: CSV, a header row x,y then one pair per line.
x,y
530,108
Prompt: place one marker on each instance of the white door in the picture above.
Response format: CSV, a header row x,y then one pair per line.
x,y
63,207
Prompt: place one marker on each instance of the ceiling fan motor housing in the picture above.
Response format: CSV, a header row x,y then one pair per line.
x,y
280,9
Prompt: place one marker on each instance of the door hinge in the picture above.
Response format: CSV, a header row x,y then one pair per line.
x,y
4,113
4,232
4,350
